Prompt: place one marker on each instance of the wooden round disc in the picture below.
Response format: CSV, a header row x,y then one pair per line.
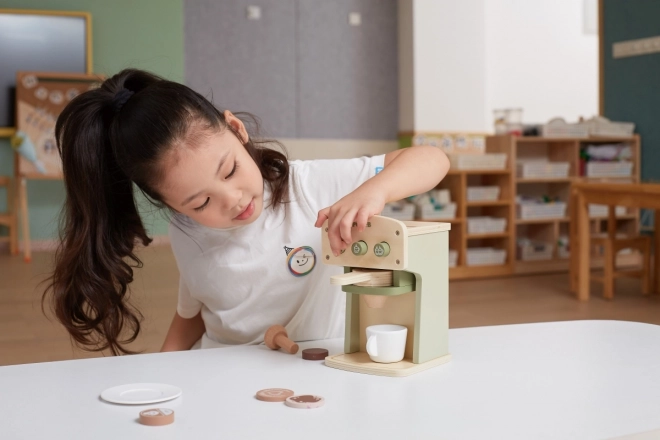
x,y
314,354
157,417
304,401
274,394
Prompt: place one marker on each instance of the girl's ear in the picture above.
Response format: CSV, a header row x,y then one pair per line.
x,y
237,125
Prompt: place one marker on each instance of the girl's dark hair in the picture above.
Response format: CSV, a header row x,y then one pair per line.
x,y
110,138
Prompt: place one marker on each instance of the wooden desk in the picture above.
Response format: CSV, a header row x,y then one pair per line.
x,y
632,195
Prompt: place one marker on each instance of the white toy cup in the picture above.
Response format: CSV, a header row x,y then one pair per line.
x,y
386,343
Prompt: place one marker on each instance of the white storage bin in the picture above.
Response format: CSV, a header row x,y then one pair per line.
x,y
534,250
599,126
532,210
453,257
494,161
399,211
481,193
434,212
485,256
603,211
609,169
559,128
542,169
485,225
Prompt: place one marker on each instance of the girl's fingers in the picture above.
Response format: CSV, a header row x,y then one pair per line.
x,y
322,217
361,219
345,226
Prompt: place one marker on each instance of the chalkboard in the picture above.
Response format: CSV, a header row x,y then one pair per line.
x,y
631,86
45,41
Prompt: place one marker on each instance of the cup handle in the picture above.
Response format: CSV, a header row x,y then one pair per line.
x,y
371,346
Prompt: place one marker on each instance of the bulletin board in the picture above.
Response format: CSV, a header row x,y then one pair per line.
x,y
40,98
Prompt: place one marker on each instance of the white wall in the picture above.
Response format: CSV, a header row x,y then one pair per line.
x,y
538,57
449,65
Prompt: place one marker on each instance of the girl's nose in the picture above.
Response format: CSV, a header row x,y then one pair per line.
x,y
230,198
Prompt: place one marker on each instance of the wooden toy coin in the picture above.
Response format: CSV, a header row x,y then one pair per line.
x,y
274,394
314,354
304,401
157,417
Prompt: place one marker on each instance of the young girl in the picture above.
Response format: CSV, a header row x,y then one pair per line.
x,y
242,217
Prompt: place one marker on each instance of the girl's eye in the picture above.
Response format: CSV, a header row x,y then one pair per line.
x,y
233,170
206,203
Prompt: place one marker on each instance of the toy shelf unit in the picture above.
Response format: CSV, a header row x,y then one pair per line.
x,y
483,188
545,169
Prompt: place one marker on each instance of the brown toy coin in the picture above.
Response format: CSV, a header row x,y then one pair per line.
x,y
157,416
314,354
274,394
304,401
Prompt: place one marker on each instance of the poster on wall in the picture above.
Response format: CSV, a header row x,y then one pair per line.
x,y
40,98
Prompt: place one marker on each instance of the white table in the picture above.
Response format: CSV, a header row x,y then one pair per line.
x,y
563,380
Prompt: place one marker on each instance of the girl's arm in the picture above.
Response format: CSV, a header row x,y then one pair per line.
x,y
183,333
407,172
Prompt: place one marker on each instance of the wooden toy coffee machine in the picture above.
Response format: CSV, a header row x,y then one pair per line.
x,y
395,273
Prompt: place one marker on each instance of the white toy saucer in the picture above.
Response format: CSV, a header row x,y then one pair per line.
x,y
140,393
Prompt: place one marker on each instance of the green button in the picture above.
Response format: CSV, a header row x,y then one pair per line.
x,y
382,249
359,248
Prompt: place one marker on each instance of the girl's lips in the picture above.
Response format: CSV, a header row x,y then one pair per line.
x,y
247,213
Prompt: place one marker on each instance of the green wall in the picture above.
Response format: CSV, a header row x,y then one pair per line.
x,y
146,34
632,85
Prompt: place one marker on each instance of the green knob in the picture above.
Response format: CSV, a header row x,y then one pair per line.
x,y
359,248
382,249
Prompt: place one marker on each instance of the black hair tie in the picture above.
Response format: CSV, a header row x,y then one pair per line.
x,y
120,99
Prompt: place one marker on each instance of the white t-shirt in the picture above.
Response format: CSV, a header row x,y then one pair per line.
x,y
246,279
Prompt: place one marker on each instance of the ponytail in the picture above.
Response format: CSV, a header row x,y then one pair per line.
x,y
109,139
99,228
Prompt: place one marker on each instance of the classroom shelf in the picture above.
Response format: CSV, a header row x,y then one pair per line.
x,y
511,186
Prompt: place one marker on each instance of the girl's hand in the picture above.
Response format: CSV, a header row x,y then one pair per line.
x,y
356,207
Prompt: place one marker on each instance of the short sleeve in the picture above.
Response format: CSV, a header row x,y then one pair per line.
x,y
323,182
187,307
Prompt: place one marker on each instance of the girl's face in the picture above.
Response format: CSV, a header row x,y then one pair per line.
x,y
215,182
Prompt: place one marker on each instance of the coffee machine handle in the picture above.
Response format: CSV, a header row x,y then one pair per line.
x,y
372,349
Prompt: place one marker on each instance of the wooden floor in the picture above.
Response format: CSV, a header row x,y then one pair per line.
x,y
26,335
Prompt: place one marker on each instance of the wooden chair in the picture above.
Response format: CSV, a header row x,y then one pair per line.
x,y
9,218
611,245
